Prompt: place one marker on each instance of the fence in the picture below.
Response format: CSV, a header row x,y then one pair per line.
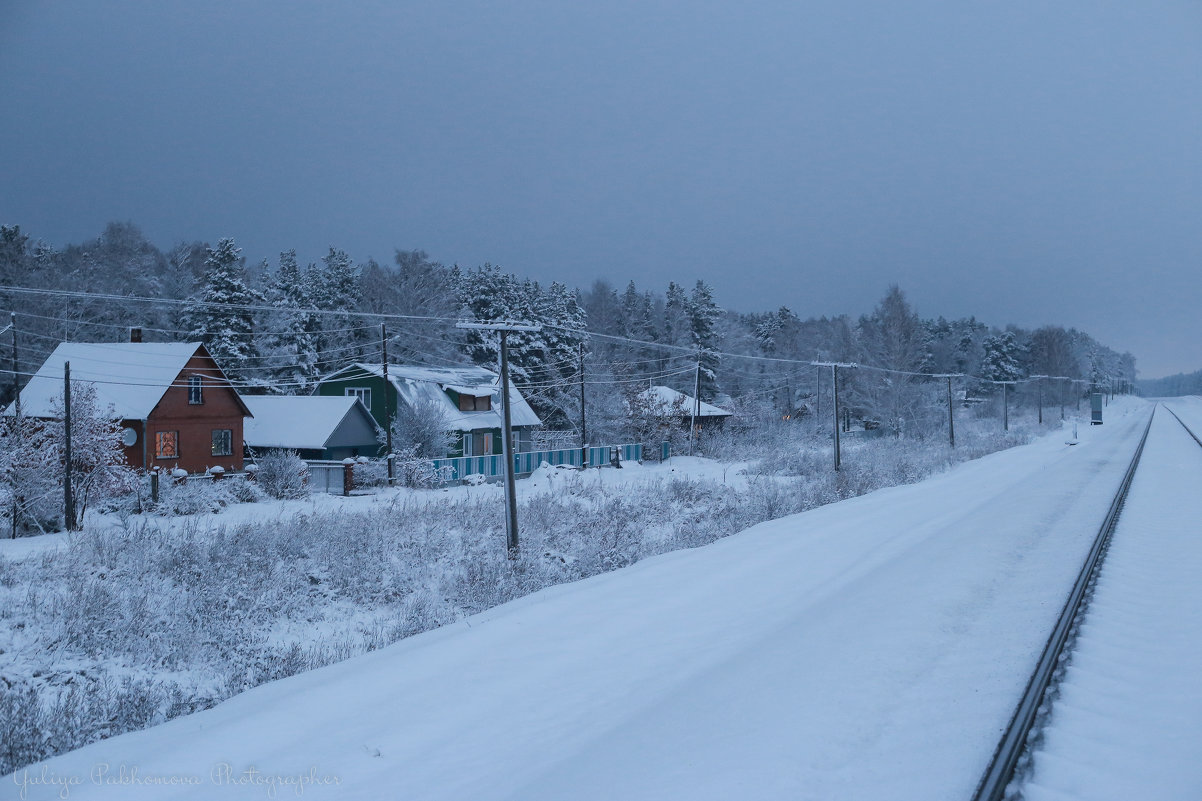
x,y
328,476
525,463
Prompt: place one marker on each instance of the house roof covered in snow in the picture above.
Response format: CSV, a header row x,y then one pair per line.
x,y
310,422
670,402
415,383
131,377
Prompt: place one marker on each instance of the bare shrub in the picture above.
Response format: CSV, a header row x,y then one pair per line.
x,y
283,474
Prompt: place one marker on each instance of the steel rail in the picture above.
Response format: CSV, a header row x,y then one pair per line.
x,y
1188,430
992,786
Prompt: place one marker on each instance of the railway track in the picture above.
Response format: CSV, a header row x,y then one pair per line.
x,y
1012,754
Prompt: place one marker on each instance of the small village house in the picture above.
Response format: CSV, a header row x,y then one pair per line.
x,y
316,427
175,403
470,398
669,404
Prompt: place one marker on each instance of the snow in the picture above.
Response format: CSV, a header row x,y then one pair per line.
x,y
872,648
296,422
1128,719
669,400
129,376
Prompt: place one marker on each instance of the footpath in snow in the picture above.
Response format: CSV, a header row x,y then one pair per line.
x,y
873,648
1128,721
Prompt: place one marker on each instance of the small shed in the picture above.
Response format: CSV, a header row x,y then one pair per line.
x,y
314,426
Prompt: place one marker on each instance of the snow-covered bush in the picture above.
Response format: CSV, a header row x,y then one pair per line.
x,y
421,429
282,474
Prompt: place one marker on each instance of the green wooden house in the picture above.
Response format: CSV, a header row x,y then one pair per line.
x,y
469,396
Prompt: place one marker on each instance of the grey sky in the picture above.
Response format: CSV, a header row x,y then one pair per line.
x,y
1023,161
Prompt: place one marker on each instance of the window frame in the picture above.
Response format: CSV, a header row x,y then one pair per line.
x,y
228,442
159,441
196,396
362,393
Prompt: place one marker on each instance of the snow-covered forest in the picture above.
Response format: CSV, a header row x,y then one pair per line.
x,y
294,322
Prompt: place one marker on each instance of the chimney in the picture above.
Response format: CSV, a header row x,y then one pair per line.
x,y
135,335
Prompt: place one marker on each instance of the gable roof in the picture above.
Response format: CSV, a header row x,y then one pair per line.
x,y
131,377
415,383
666,399
300,422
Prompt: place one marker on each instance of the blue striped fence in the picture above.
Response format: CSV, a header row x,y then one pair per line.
x,y
525,463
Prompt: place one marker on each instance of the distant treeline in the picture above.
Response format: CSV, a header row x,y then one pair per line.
x,y
1172,386
308,321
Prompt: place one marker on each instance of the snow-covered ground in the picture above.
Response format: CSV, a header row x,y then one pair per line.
x,y
872,648
1127,722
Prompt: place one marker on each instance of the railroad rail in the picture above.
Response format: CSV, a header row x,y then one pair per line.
x,y
1183,425
1014,741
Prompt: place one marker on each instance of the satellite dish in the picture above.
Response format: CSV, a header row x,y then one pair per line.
x,y
129,437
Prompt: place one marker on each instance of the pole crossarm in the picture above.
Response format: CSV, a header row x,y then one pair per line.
x,y
505,326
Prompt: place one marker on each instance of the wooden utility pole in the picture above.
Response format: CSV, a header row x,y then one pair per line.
x,y
583,429
511,502
817,393
68,498
696,410
951,416
387,406
835,391
17,424
1005,405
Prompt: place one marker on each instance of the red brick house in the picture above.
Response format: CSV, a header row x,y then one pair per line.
x,y
175,403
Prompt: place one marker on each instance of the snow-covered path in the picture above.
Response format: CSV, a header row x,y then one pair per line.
x,y
1128,720
869,649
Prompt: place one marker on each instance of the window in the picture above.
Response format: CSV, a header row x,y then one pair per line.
x,y
475,403
223,442
195,389
166,444
362,393
481,444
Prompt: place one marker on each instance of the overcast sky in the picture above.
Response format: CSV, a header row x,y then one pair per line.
x,y
1025,161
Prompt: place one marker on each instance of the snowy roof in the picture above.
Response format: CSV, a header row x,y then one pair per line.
x,y
414,383
131,377
667,399
298,422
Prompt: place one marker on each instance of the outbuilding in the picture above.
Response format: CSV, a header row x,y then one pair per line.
x,y
314,426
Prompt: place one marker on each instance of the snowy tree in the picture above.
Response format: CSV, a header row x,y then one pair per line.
x,y
892,338
1002,359
421,429
292,345
32,455
219,317
703,314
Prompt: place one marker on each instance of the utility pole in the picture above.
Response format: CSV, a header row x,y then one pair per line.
x,y
817,394
1005,406
835,391
696,403
17,424
387,406
68,499
583,429
951,417
511,501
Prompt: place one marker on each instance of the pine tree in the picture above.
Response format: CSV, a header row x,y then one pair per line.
x,y
293,344
218,317
703,314
1002,358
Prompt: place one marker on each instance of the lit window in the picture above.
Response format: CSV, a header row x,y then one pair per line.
x,y
166,444
223,442
195,389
